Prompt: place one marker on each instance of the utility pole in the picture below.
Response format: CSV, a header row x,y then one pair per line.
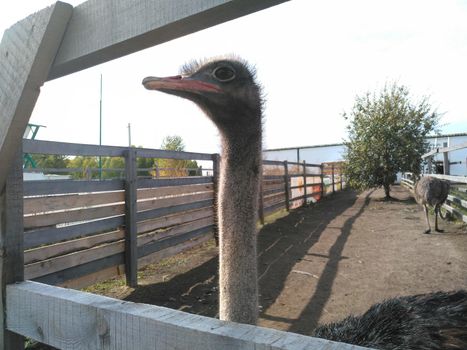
x,y
129,135
100,129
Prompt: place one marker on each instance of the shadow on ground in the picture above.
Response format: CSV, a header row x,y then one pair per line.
x,y
280,246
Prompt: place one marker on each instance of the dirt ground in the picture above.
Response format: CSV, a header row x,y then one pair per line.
x,y
320,263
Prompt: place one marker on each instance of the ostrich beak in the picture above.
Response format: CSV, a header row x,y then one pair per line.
x,y
178,83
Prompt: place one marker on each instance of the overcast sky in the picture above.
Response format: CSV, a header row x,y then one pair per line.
x,y
313,58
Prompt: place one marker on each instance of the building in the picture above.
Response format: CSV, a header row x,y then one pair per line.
x,y
335,152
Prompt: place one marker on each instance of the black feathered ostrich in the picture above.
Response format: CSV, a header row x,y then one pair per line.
x,y
225,89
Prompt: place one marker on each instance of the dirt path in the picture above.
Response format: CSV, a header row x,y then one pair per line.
x,y
321,263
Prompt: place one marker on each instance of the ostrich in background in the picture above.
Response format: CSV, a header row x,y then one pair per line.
x,y
225,89
434,192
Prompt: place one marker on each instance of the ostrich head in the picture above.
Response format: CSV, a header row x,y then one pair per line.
x,y
225,89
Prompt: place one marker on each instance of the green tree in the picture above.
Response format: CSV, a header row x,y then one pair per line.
x,y
49,161
85,163
175,167
386,136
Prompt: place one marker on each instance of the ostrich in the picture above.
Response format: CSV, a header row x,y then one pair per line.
x,y
432,321
225,89
431,191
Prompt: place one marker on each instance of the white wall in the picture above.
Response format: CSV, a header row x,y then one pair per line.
x,y
333,153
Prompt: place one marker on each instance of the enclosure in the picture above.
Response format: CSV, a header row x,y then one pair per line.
x,y
78,232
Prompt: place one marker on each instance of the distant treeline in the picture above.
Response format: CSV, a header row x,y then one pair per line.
x,y
112,167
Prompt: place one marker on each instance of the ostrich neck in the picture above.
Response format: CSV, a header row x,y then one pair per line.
x,y
237,214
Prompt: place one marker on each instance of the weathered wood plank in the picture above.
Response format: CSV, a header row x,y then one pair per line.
x,y
171,201
273,190
452,178
147,241
171,251
27,50
49,266
117,260
174,230
457,213
82,269
35,205
192,180
131,258
71,319
50,251
274,199
176,219
92,37
49,219
114,271
155,213
445,149
78,149
11,242
171,241
275,207
47,187
146,193
53,234
458,201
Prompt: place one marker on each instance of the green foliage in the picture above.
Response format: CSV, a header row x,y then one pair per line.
x,y
47,161
173,143
175,167
386,135
86,164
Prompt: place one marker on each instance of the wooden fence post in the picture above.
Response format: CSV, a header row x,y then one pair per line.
x,y
304,181
261,200
215,179
333,189
287,185
340,177
131,244
11,243
322,180
446,169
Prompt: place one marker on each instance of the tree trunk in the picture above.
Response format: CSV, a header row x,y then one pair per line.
x,y
387,189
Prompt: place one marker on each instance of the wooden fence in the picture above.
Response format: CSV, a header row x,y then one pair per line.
x,y
79,232
51,43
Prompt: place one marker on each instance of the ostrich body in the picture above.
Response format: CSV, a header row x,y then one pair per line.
x,y
431,191
225,89
432,321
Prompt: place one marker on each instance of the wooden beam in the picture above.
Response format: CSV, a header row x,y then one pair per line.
x,y
102,30
70,319
445,149
452,178
27,51
131,258
11,243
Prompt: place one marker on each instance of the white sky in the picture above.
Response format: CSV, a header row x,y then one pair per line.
x,y
312,57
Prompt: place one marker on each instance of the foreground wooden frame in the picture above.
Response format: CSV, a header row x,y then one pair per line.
x,y
69,319
51,43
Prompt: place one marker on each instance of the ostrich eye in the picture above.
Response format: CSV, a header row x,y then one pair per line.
x,y
224,74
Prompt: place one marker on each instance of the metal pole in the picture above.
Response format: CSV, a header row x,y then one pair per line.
x,y
129,135
100,129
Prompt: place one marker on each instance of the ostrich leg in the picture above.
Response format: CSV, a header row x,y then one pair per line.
x,y
425,209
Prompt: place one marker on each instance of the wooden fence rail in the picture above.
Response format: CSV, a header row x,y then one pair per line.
x,y
67,319
78,232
